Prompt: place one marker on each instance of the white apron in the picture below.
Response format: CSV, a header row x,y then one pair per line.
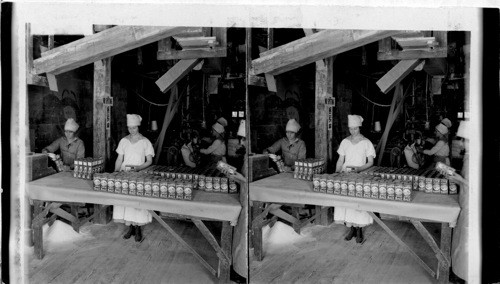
x,y
355,155
134,154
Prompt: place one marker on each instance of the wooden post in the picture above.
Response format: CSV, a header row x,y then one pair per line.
x,y
323,115
225,243
443,272
247,107
102,89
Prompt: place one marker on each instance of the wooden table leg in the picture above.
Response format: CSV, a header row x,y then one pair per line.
x,y
105,216
225,243
443,272
37,228
257,209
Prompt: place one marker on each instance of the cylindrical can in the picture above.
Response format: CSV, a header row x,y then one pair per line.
x,y
436,185
407,191
343,185
374,188
224,186
139,184
104,182
124,184
329,183
201,182
132,185
336,184
171,189
322,184
118,183
351,187
155,187
359,188
232,186
316,183
179,190
148,186
163,188
453,188
111,183
382,189
390,190
188,190
97,182
398,190
216,184
367,188
208,183
444,186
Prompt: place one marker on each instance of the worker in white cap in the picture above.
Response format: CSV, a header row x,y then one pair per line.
x,y
459,244
70,146
446,122
217,150
292,147
440,151
356,153
135,152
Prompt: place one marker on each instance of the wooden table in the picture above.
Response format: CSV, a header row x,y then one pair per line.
x,y
49,193
268,194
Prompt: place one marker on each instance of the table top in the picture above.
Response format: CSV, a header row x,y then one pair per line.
x,y
63,187
283,188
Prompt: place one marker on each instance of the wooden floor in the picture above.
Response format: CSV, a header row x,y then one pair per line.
x,y
331,259
107,258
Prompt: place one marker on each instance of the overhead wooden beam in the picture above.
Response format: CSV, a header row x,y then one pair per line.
x,y
176,73
441,51
254,80
312,48
396,74
99,46
165,52
51,78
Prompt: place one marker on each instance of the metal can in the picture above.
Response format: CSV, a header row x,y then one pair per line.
x,y
97,182
444,186
382,189
104,182
374,188
179,190
132,185
398,191
329,184
390,190
118,183
216,184
188,191
124,185
208,183
224,186
232,186
163,188
139,184
148,187
336,185
171,189
155,187
322,184
367,188
453,188
201,182
316,183
359,188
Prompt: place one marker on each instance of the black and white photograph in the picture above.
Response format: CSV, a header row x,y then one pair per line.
x,y
249,142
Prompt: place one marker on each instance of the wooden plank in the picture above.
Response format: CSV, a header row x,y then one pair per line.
x,y
172,109
211,240
196,42
98,46
443,273
432,243
312,48
183,243
437,52
63,214
226,243
397,74
176,73
192,54
51,79
285,216
401,243
323,90
37,229
32,79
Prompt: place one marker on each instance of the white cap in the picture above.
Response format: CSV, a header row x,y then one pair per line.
x,y
241,129
441,128
463,129
222,121
354,120
292,126
133,120
71,125
446,122
218,128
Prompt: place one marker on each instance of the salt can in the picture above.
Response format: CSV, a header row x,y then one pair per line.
x,y
232,186
97,182
179,190
132,185
359,188
367,188
104,182
155,187
316,183
171,189
390,189
188,190
329,184
124,185
382,189
111,183
407,191
322,184
118,183
374,188
216,184
398,191
163,188
351,187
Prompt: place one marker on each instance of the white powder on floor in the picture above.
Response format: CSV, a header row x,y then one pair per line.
x,y
281,237
61,235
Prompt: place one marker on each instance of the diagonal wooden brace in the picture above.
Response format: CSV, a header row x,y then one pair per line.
x,y
211,239
395,237
183,243
432,243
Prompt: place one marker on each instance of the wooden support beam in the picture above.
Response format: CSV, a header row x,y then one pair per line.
x,y
176,73
101,135
99,46
192,54
413,54
51,79
312,48
254,80
323,112
396,74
